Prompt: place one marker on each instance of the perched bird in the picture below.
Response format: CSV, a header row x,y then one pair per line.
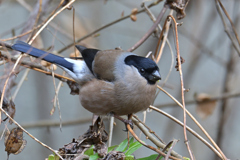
x,y
111,81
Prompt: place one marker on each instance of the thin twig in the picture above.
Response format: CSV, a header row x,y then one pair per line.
x,y
110,131
30,135
174,142
224,102
30,65
163,35
149,136
51,123
37,18
107,25
231,22
182,89
188,128
12,71
226,28
20,83
56,98
146,145
34,28
5,128
74,42
197,123
6,82
217,98
163,43
27,71
51,18
24,4
23,34
150,31
149,130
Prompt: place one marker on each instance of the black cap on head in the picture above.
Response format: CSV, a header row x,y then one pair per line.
x,y
146,67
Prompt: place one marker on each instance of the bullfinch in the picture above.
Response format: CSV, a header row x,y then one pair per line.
x,y
112,81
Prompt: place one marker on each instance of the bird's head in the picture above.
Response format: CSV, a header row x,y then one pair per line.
x,y
145,66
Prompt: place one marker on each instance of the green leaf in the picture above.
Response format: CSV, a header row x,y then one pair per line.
x,y
129,157
154,156
89,152
122,146
51,157
130,142
186,158
111,148
133,147
94,157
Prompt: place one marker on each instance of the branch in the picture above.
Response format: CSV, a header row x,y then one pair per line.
x,y
182,89
145,130
150,31
30,135
35,67
188,128
197,123
223,96
225,26
148,146
107,25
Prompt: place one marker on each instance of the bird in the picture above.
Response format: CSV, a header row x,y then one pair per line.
x,y
114,81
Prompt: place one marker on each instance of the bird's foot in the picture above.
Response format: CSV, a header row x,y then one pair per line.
x,y
125,121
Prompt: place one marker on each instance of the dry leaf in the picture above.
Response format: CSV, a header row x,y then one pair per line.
x,y
177,65
134,11
122,14
205,106
48,65
133,17
73,54
9,107
133,14
115,155
14,142
96,135
178,6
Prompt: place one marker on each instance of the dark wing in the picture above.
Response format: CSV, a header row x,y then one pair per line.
x,y
88,55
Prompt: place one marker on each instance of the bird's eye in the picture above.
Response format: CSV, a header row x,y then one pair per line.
x,y
142,70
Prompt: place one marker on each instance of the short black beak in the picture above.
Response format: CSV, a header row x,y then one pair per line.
x,y
155,76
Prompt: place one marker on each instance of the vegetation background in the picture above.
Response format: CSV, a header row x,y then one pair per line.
x,y
210,72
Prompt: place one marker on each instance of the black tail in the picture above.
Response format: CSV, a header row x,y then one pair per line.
x,y
49,57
